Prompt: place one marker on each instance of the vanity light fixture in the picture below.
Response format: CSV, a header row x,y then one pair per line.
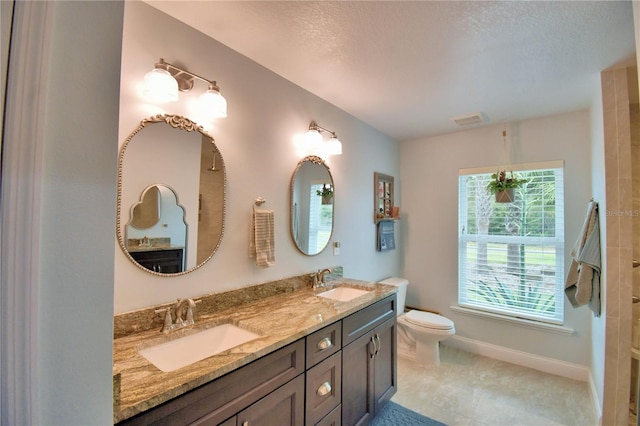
x,y
313,139
163,82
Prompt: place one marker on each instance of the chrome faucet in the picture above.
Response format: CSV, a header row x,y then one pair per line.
x,y
319,279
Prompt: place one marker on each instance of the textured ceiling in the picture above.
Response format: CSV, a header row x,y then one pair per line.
x,y
406,68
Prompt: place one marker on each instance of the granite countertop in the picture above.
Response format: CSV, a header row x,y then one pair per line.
x,y
279,320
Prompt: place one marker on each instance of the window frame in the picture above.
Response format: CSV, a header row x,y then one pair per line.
x,y
557,242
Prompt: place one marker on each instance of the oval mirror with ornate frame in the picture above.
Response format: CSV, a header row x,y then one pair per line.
x,y
312,205
165,159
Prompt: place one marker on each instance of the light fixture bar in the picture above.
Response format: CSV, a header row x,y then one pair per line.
x,y
314,140
185,84
165,80
314,126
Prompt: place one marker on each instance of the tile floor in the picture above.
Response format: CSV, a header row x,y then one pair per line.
x,y
468,389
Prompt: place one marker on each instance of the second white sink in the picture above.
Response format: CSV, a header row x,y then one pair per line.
x,y
178,353
343,294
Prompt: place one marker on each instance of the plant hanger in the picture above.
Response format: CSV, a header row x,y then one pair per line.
x,y
503,184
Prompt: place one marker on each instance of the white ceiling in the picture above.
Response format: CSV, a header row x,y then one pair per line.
x,y
406,68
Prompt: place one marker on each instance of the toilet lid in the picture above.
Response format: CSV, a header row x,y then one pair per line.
x,y
429,320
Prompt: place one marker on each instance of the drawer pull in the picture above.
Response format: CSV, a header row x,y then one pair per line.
x,y
324,389
324,344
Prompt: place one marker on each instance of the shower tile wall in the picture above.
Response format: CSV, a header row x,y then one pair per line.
x,y
634,111
619,91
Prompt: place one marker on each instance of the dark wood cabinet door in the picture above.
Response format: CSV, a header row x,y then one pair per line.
x,y
357,381
283,407
385,365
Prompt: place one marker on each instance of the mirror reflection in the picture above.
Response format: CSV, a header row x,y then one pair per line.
x,y
161,246
312,205
172,181
146,213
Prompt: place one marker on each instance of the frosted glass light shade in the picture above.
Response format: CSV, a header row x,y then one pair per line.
x,y
313,140
160,86
213,104
334,146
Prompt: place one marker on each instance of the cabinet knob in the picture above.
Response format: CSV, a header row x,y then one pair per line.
x,y
324,389
324,344
245,423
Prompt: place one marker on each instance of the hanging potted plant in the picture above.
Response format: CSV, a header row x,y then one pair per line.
x,y
503,186
326,193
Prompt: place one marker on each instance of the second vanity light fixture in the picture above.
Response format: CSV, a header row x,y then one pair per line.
x,y
163,82
313,139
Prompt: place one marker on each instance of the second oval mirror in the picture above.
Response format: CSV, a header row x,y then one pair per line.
x,y
312,205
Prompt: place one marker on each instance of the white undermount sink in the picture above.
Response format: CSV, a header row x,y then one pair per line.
x,y
343,294
178,353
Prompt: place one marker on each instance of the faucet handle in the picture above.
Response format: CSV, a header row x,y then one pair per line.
x,y
167,326
190,308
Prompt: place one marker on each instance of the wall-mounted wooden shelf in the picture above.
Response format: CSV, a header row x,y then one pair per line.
x,y
383,204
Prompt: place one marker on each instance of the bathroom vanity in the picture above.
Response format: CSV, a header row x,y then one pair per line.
x,y
168,260
318,361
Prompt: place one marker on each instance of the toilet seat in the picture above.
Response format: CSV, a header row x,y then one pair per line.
x,y
428,320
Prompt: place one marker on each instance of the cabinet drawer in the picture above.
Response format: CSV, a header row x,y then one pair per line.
x,y
222,398
361,322
283,407
323,343
324,388
334,418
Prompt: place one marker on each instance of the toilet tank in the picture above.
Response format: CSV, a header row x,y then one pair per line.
x,y
402,284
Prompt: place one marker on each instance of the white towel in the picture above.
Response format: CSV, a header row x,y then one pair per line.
x,y
583,280
262,243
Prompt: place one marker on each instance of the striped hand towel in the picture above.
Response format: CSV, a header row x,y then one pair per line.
x,y
262,244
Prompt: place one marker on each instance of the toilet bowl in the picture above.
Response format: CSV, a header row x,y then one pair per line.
x,y
419,332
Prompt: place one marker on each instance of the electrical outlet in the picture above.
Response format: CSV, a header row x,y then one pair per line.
x,y
336,248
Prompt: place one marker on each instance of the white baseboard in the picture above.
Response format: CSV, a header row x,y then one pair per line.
x,y
595,402
547,365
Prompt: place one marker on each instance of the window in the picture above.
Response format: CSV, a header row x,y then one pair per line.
x,y
511,255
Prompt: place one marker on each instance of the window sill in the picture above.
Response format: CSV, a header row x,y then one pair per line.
x,y
558,329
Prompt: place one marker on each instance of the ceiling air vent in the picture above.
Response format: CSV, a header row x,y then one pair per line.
x,y
469,119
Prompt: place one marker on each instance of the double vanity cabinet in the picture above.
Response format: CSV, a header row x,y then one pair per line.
x,y
340,374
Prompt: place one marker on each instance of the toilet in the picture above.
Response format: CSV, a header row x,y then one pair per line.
x,y
419,332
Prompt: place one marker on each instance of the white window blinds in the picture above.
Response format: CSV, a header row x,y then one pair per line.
x,y
511,255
